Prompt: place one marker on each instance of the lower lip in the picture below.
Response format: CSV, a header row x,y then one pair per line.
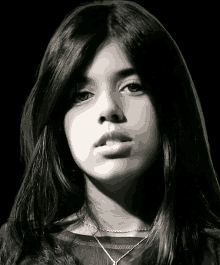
x,y
121,149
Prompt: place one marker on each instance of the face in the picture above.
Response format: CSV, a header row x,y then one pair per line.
x,y
110,101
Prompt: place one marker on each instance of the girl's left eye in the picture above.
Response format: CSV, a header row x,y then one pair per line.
x,y
135,86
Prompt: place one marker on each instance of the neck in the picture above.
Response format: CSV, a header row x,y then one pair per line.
x,y
116,209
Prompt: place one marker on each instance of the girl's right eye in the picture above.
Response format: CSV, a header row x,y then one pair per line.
x,y
82,93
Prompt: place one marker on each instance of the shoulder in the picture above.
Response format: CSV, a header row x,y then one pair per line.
x,y
214,233
212,253
9,250
4,235
3,230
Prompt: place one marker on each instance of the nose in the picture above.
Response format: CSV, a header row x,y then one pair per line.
x,y
111,107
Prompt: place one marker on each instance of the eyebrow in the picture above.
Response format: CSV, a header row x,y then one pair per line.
x,y
123,73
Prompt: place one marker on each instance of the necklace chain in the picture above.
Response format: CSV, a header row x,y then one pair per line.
x,y
116,262
117,231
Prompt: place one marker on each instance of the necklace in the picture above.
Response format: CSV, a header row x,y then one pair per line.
x,y
117,231
116,262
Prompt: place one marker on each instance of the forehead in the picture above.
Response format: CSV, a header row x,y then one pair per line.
x,y
109,62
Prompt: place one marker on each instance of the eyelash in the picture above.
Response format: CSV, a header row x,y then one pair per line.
x,y
131,84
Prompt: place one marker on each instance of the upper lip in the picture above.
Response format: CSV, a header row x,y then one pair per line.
x,y
123,137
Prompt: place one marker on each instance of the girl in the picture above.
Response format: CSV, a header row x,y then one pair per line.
x,y
118,165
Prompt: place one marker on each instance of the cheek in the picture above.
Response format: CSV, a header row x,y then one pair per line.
x,y
78,134
143,122
141,116
73,130
75,126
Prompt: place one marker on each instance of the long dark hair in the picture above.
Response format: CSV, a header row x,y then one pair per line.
x,y
53,186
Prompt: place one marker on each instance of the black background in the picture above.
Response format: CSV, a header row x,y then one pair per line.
x,y
26,32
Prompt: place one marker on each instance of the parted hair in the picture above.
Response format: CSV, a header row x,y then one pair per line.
x,y
53,186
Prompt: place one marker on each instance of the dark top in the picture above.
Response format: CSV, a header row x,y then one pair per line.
x,y
88,252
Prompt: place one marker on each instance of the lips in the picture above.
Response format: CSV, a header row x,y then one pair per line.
x,y
115,151
114,136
